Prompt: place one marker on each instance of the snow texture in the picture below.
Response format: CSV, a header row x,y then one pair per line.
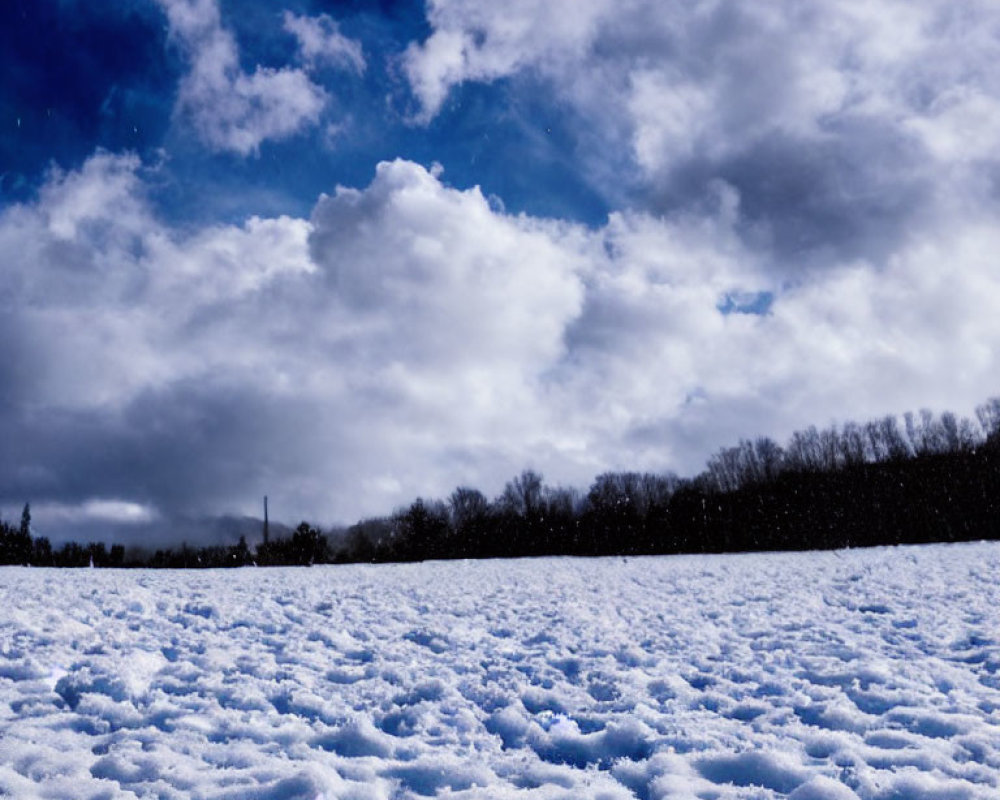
x,y
859,675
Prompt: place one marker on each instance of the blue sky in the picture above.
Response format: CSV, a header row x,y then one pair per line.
x,y
84,77
346,254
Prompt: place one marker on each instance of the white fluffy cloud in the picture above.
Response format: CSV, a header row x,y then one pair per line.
x,y
343,362
229,108
320,41
484,41
408,337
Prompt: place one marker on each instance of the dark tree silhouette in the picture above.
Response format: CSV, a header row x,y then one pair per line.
x,y
421,532
469,516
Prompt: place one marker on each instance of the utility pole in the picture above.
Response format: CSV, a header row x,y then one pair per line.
x,y
265,520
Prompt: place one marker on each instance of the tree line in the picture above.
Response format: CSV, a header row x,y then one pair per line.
x,y
925,478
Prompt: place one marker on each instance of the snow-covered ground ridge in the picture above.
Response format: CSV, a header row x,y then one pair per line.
x,y
871,674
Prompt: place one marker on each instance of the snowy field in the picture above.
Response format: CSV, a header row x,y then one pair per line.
x,y
864,674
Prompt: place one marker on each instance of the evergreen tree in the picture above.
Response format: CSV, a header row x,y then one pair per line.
x,y
22,542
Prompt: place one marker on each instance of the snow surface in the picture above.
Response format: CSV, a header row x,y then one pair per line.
x,y
868,674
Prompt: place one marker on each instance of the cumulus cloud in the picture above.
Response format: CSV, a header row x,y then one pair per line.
x,y
338,363
477,287
409,337
320,41
230,109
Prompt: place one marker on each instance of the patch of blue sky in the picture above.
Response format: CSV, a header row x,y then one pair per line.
x,y
737,302
110,81
74,80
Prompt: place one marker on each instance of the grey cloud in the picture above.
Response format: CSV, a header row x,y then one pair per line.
x,y
841,125
189,450
857,194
